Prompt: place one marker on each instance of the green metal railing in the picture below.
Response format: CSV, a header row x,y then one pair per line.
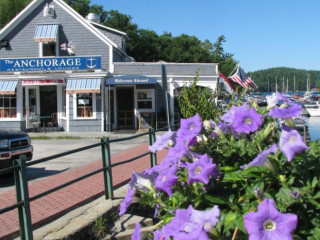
x,y
20,165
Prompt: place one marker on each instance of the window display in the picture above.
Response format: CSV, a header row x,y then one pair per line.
x,y
145,100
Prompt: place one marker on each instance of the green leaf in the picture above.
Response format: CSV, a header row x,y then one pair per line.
x,y
233,176
229,221
317,196
167,218
228,169
314,182
216,199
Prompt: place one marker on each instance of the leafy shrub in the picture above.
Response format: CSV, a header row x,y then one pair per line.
x,y
248,175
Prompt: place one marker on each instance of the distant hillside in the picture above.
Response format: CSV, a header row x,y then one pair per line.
x,y
268,76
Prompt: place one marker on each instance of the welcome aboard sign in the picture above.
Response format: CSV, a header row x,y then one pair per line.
x,y
50,64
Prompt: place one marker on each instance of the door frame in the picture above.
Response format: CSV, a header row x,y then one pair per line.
x,y
27,103
133,87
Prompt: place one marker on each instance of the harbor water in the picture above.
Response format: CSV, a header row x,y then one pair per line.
x,y
313,127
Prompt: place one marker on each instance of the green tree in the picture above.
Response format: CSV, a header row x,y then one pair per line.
x,y
225,60
185,48
143,46
9,9
81,6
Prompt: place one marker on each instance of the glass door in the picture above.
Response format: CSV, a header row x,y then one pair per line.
x,y
125,108
31,104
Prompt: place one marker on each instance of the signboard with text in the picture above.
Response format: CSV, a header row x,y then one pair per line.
x,y
50,64
131,79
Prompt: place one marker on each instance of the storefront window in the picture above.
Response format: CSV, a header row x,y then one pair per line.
x,y
84,105
145,100
8,106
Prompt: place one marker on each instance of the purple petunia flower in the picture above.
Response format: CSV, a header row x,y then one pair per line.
x,y
195,233
262,158
201,170
207,219
163,141
229,115
258,193
136,233
272,100
126,201
190,127
167,179
291,142
181,148
247,121
191,224
177,223
269,223
158,235
143,181
287,109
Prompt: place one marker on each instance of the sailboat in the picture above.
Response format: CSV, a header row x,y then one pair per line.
x,y
313,108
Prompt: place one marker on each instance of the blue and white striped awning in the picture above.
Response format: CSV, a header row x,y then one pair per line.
x,y
46,33
83,85
8,87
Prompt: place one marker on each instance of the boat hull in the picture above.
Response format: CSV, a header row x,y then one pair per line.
x,y
313,112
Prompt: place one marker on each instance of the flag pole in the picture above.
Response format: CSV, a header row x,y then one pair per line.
x,y
236,67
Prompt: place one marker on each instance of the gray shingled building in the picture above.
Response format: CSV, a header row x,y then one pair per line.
x,y
58,68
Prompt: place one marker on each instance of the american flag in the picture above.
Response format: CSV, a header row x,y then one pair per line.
x,y
241,78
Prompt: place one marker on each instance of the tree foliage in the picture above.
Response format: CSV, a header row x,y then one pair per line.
x,y
144,45
9,9
266,77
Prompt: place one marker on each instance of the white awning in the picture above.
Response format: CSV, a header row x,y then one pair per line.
x,y
83,85
46,33
8,87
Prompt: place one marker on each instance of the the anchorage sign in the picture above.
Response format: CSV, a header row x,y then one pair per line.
x,y
50,64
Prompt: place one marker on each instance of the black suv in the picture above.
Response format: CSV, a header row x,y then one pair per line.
x,y
12,145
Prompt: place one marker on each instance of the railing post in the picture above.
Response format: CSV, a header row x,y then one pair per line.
x,y
106,162
22,195
152,139
305,133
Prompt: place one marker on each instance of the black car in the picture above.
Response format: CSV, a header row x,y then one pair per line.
x,y
12,145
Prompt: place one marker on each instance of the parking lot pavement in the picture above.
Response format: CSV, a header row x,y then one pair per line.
x,y
48,147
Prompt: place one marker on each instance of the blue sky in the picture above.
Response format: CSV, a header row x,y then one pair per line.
x,y
260,33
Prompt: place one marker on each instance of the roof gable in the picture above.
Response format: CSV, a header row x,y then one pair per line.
x,y
35,3
109,29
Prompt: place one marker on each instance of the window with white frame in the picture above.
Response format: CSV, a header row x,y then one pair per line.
x,y
84,105
49,49
8,106
145,100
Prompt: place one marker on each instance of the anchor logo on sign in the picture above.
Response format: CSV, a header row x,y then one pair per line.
x,y
91,62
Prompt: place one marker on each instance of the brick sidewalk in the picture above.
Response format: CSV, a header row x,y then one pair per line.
x,y
59,202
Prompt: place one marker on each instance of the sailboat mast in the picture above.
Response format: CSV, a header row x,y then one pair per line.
x,y
283,84
287,86
276,85
294,82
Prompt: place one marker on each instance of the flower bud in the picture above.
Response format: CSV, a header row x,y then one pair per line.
x,y
282,178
